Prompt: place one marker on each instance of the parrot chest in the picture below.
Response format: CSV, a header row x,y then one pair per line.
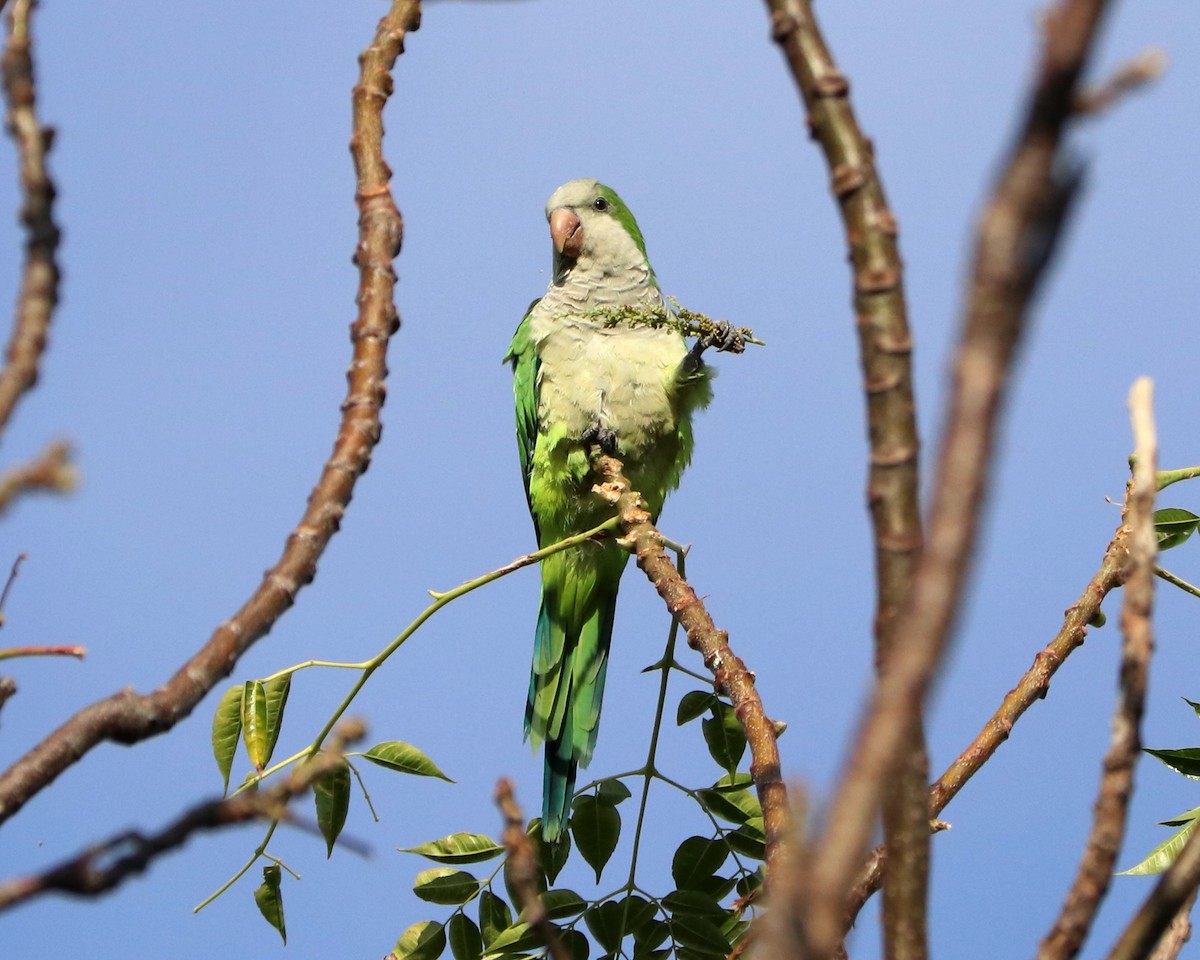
x,y
618,377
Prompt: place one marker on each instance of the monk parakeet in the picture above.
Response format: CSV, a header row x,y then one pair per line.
x,y
581,380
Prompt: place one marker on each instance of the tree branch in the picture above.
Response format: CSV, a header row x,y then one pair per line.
x,y
104,866
1174,889
885,347
1116,785
38,294
126,717
522,871
729,672
1017,236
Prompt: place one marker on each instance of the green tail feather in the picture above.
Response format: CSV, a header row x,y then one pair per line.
x,y
570,661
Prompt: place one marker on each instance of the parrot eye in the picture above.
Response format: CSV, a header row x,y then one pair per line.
x,y
600,204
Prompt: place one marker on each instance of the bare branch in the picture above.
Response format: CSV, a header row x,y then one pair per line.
x,y
1178,933
106,865
50,470
1175,887
1116,784
522,871
1146,67
127,717
885,347
729,672
38,294
1017,236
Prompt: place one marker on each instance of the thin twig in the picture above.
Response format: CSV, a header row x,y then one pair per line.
x,y
729,673
1177,581
522,871
8,584
104,866
127,717
1147,66
51,470
885,347
38,294
1116,783
1017,237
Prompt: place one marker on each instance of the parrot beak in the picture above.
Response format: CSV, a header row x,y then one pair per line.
x,y
566,231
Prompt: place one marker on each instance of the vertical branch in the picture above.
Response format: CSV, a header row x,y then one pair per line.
x,y
127,717
1016,239
1116,784
885,347
38,294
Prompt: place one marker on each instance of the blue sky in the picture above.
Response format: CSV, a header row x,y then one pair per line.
x,y
197,362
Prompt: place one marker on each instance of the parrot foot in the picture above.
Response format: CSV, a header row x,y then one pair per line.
x,y
724,337
602,437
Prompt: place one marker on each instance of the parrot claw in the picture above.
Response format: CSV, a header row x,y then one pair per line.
x,y
602,437
726,338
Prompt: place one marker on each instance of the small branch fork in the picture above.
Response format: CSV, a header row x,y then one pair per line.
x,y
730,675
127,717
104,866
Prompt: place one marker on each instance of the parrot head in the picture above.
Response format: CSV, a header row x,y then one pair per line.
x,y
590,226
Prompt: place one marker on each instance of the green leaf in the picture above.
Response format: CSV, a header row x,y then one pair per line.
x,y
650,935
699,934
254,723
612,792
1194,705
551,856
1186,817
1173,526
564,903
731,800
577,944
693,903
518,937
226,730
748,839
445,885
466,943
1162,856
422,941
276,692
1185,761
604,921
693,704
404,758
494,916
716,887
269,898
596,828
725,737
458,848
697,859
331,791
750,882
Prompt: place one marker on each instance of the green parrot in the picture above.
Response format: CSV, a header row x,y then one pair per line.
x,y
579,382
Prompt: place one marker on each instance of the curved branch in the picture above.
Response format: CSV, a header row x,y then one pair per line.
x,y
1017,237
885,348
127,717
38,295
729,672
